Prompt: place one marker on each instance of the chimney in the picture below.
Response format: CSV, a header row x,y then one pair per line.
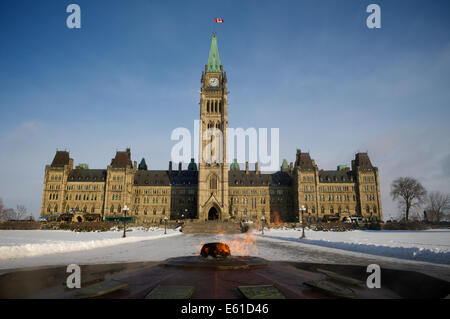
x,y
179,167
256,168
170,166
246,168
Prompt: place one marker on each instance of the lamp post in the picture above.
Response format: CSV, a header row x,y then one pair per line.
x,y
165,225
302,209
263,219
125,210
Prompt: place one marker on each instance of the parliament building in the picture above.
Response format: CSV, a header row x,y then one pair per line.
x,y
211,189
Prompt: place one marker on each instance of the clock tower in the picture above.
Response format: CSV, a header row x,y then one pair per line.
x,y
212,195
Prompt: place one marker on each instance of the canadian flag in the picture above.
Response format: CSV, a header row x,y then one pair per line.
x,y
217,20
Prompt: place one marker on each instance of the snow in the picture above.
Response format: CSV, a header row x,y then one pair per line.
x,y
31,243
429,245
29,248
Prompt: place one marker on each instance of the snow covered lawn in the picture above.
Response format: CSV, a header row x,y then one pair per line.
x,y
31,243
428,245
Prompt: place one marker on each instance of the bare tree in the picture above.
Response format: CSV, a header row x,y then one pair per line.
x,y
21,212
438,205
4,214
408,192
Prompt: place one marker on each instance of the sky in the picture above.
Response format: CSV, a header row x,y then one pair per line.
x,y
311,68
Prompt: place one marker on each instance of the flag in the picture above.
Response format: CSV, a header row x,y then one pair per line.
x,y
217,20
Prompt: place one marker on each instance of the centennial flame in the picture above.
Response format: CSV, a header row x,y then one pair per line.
x,y
216,250
238,246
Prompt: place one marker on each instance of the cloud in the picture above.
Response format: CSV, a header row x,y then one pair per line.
x,y
23,131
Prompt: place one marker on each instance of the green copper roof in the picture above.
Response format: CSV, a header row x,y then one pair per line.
x,y
214,58
285,164
192,166
142,165
235,165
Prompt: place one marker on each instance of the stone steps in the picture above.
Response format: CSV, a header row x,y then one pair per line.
x,y
211,227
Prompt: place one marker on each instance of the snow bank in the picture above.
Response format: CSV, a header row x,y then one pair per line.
x,y
429,246
11,247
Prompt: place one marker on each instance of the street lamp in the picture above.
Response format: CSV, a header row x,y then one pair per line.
x,y
165,225
302,209
125,210
263,219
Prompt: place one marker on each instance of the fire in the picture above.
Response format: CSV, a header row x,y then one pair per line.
x,y
276,220
238,246
216,250
245,247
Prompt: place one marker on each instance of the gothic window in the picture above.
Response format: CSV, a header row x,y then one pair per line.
x,y
339,210
207,106
48,209
154,211
56,208
331,210
213,183
368,209
112,209
220,107
92,209
322,210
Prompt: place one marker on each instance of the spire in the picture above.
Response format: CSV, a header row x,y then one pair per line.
x,y
214,58
142,165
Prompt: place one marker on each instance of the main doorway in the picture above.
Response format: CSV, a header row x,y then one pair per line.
x,y
213,214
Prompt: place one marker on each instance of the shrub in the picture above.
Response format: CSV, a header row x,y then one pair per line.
x,y
404,226
80,227
333,226
20,225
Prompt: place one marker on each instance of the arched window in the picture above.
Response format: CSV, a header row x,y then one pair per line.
x,y
322,210
112,209
368,209
331,210
339,210
92,209
164,211
220,107
49,209
213,184
154,211
56,208
245,212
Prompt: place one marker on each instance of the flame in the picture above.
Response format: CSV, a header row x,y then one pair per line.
x,y
275,219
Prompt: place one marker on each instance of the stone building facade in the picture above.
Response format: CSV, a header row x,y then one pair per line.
x,y
213,189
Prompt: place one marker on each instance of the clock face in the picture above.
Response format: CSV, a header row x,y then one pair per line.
x,y
214,81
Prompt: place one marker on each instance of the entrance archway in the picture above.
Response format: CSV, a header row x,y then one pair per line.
x,y
213,214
